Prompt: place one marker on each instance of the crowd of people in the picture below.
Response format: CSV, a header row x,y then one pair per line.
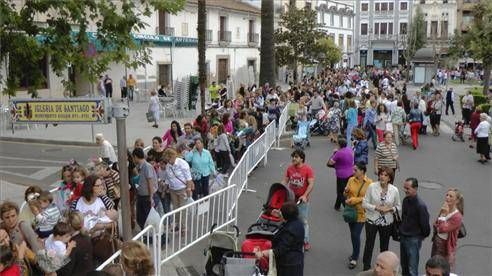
x,y
56,233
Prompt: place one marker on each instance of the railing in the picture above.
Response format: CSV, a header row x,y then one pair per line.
x,y
148,236
197,219
282,122
224,36
208,35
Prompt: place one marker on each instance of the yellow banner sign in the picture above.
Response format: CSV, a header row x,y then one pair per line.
x,y
59,111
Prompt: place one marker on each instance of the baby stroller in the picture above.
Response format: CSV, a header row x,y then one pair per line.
x,y
301,138
240,264
219,243
319,125
260,234
459,129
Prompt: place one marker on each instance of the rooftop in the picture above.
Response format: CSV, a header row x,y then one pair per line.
x,y
230,5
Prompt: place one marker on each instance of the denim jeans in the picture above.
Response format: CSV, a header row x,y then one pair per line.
x,y
371,135
350,128
409,254
355,230
201,187
303,216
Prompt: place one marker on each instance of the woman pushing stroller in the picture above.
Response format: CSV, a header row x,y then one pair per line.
x,y
288,242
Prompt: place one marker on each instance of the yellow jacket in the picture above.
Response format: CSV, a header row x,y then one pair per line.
x,y
353,186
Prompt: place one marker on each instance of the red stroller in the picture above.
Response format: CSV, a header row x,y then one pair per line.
x,y
260,234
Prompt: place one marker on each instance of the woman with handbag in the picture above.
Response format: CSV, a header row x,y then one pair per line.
x,y
447,227
380,201
353,212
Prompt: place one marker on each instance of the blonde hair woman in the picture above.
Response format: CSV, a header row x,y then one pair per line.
x,y
447,226
136,259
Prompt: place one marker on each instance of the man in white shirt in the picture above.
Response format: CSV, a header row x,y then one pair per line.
x,y
106,151
179,180
468,103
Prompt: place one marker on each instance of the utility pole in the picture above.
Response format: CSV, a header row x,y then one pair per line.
x,y
120,112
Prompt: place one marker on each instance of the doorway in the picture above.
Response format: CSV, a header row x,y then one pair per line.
x,y
222,70
164,74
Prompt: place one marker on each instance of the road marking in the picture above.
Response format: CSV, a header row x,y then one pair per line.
x,y
42,174
48,144
38,175
31,159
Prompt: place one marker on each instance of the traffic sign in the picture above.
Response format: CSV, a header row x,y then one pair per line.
x,y
61,111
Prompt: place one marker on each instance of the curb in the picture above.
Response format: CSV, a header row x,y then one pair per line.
x,y
47,141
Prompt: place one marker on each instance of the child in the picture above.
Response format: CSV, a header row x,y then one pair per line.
x,y
57,249
273,111
8,266
46,214
78,176
64,187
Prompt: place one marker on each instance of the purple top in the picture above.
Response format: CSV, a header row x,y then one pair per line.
x,y
344,162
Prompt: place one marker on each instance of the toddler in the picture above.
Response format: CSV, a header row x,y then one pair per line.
x,y
8,265
64,187
57,249
46,215
78,176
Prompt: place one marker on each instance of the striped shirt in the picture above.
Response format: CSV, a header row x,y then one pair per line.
x,y
48,218
112,182
384,154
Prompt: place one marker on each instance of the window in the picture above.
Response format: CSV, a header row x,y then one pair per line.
x,y
376,7
444,29
238,33
363,29
349,22
403,6
384,29
403,28
364,7
349,43
384,6
340,17
332,37
332,19
340,41
433,29
322,18
308,5
391,6
422,1
425,28
444,1
390,28
184,29
376,28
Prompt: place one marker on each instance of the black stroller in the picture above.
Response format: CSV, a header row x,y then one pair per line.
x,y
220,242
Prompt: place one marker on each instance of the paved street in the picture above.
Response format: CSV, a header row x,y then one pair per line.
x,y
439,163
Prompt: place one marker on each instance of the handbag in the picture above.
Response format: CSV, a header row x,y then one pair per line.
x,y
150,116
349,212
395,226
106,244
462,232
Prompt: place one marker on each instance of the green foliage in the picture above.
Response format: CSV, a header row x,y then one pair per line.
x,y
416,37
295,39
63,37
478,98
485,107
327,52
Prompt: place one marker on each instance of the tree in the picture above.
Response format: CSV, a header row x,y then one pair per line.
x,y
23,39
476,42
202,67
327,52
296,38
416,36
267,53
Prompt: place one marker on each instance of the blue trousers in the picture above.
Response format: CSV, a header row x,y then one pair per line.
x,y
303,216
355,230
201,187
350,128
409,254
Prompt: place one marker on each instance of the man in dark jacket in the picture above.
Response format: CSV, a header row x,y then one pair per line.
x,y
413,229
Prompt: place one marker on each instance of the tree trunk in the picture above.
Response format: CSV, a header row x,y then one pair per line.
x,y
486,78
267,54
202,68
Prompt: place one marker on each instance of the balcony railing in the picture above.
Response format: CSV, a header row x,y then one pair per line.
x,y
224,36
208,35
253,39
382,37
165,31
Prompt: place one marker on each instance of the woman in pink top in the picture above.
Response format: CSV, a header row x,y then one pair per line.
x,y
447,226
226,120
171,136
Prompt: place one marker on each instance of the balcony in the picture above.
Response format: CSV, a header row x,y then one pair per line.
x,y
208,36
164,31
253,39
382,37
224,37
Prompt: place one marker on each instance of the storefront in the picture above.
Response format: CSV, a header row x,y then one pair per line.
x,y
382,58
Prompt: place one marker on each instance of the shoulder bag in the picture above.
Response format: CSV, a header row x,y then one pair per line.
x,y
395,226
350,212
106,244
462,232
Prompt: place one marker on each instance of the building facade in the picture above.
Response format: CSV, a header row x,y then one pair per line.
x,y
464,14
440,22
380,30
233,39
337,20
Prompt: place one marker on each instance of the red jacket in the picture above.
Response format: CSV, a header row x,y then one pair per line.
x,y
13,270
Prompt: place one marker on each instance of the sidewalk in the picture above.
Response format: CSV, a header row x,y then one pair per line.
x,y
136,127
